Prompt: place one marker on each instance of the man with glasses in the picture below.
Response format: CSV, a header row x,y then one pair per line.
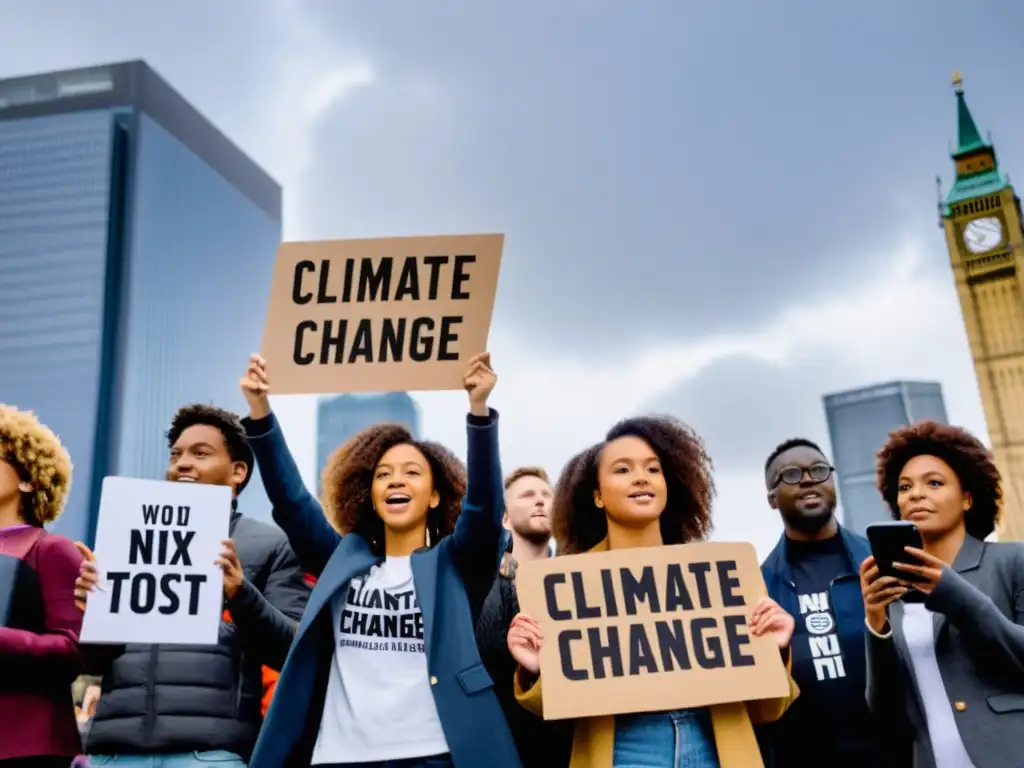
x,y
813,574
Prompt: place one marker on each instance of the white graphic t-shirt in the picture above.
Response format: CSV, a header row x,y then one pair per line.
x,y
379,705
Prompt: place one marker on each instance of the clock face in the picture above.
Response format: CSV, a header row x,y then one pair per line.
x,y
983,235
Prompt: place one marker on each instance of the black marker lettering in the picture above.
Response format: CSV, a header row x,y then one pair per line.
x,y
701,571
708,650
298,297
143,593
116,579
728,583
565,655
641,655
611,606
672,644
736,638
583,610
552,580
459,277
599,651
298,356
448,337
435,263
322,296
642,590
173,603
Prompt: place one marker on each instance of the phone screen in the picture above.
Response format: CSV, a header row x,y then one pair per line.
x,y
888,543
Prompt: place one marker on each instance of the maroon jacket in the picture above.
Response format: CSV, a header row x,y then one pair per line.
x,y
38,664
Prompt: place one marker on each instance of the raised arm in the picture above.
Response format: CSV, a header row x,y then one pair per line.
x,y
296,511
476,540
54,652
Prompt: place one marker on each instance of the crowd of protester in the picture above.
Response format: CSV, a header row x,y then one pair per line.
x,y
923,669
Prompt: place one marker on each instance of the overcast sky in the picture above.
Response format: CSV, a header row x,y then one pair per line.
x,y
718,210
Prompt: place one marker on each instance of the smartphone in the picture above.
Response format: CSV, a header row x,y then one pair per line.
x,y
887,545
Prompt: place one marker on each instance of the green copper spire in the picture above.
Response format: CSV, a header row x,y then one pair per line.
x,y
968,138
975,177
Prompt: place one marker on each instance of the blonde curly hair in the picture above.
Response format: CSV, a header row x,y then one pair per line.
x,y
38,457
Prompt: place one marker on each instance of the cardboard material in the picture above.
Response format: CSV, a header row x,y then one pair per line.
x,y
650,629
384,315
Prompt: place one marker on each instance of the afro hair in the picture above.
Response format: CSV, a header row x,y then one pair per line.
x,y
347,481
578,525
972,462
38,457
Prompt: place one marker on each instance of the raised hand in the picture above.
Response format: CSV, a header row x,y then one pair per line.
x,y
229,563
479,381
88,577
878,592
768,618
524,642
256,387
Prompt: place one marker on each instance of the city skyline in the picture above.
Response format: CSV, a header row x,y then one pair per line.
x,y
859,422
133,231
339,417
729,253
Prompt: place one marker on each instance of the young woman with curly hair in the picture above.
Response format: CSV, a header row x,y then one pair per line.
x,y
648,484
384,669
946,642
39,622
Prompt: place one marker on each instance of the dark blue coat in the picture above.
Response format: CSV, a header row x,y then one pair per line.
x,y
452,579
848,606
844,592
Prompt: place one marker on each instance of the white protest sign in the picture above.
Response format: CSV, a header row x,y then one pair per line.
x,y
156,543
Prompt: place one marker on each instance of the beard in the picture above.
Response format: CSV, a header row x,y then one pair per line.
x,y
809,522
533,533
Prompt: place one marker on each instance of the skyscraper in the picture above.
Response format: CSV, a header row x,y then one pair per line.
x,y
982,219
136,251
338,418
859,422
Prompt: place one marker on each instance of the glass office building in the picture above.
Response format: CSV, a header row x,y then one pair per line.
x,y
338,418
859,423
136,252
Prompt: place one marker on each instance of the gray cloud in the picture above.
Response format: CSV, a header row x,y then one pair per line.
x,y
743,407
665,171
660,172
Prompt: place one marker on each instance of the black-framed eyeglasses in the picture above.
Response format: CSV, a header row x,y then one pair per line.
x,y
818,472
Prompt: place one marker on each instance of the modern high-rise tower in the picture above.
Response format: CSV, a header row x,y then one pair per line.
x,y
859,422
338,418
982,219
137,247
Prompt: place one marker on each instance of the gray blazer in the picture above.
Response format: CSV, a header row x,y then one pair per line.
x,y
979,643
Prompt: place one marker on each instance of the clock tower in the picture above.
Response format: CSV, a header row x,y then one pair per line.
x,y
982,219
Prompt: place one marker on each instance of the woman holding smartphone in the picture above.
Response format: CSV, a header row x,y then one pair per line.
x,y
648,485
946,644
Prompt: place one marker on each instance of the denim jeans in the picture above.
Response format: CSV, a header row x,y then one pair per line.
x,y
434,761
216,758
680,738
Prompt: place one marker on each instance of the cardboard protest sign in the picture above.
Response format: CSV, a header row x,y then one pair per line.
x,y
156,543
401,313
649,629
